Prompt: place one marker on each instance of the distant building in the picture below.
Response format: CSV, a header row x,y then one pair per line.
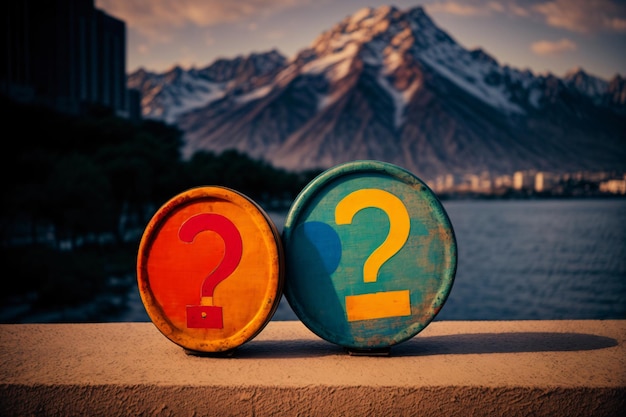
x,y
443,183
614,186
502,182
65,54
545,181
518,180
474,182
522,180
448,182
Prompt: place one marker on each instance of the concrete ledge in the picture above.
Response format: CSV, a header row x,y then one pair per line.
x,y
551,368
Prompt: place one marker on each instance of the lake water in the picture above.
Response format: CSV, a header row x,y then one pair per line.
x,y
517,260
546,259
533,259
526,259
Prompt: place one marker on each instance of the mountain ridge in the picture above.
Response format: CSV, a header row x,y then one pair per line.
x,y
390,85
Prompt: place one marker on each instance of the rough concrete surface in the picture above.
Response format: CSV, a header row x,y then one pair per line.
x,y
508,368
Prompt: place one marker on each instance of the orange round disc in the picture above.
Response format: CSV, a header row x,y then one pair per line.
x,y
210,269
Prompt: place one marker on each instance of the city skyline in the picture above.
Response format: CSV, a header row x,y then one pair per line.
x,y
544,36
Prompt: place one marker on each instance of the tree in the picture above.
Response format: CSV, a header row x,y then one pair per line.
x,y
78,199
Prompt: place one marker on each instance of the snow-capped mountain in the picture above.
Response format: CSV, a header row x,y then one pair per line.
x,y
615,96
168,95
586,84
390,85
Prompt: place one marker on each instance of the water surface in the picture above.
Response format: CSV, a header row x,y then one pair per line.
x,y
533,259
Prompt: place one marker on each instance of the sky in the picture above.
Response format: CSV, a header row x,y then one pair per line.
x,y
553,36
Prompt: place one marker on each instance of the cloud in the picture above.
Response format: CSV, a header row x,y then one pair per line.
x,y
464,8
584,16
156,19
545,47
480,7
518,10
143,49
209,40
618,24
275,34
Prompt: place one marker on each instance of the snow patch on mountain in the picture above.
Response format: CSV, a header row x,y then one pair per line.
x,y
336,65
400,98
457,65
534,96
254,94
471,78
203,93
586,84
325,100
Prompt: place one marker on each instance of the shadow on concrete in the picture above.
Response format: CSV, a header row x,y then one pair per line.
x,y
287,349
457,344
477,343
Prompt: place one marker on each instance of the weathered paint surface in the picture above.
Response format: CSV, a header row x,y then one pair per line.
x,y
210,269
371,255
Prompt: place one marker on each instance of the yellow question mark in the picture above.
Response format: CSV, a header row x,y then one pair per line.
x,y
381,304
399,227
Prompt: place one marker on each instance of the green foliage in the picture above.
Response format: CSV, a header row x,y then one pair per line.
x,y
256,179
73,184
58,277
72,278
78,192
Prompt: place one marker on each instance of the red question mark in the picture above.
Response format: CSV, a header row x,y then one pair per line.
x,y
207,315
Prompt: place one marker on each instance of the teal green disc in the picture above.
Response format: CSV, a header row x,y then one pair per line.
x,y
370,255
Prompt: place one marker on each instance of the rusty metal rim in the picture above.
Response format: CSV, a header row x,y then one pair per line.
x,y
331,175
263,316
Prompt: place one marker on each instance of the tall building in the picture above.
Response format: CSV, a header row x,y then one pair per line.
x,y
65,54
